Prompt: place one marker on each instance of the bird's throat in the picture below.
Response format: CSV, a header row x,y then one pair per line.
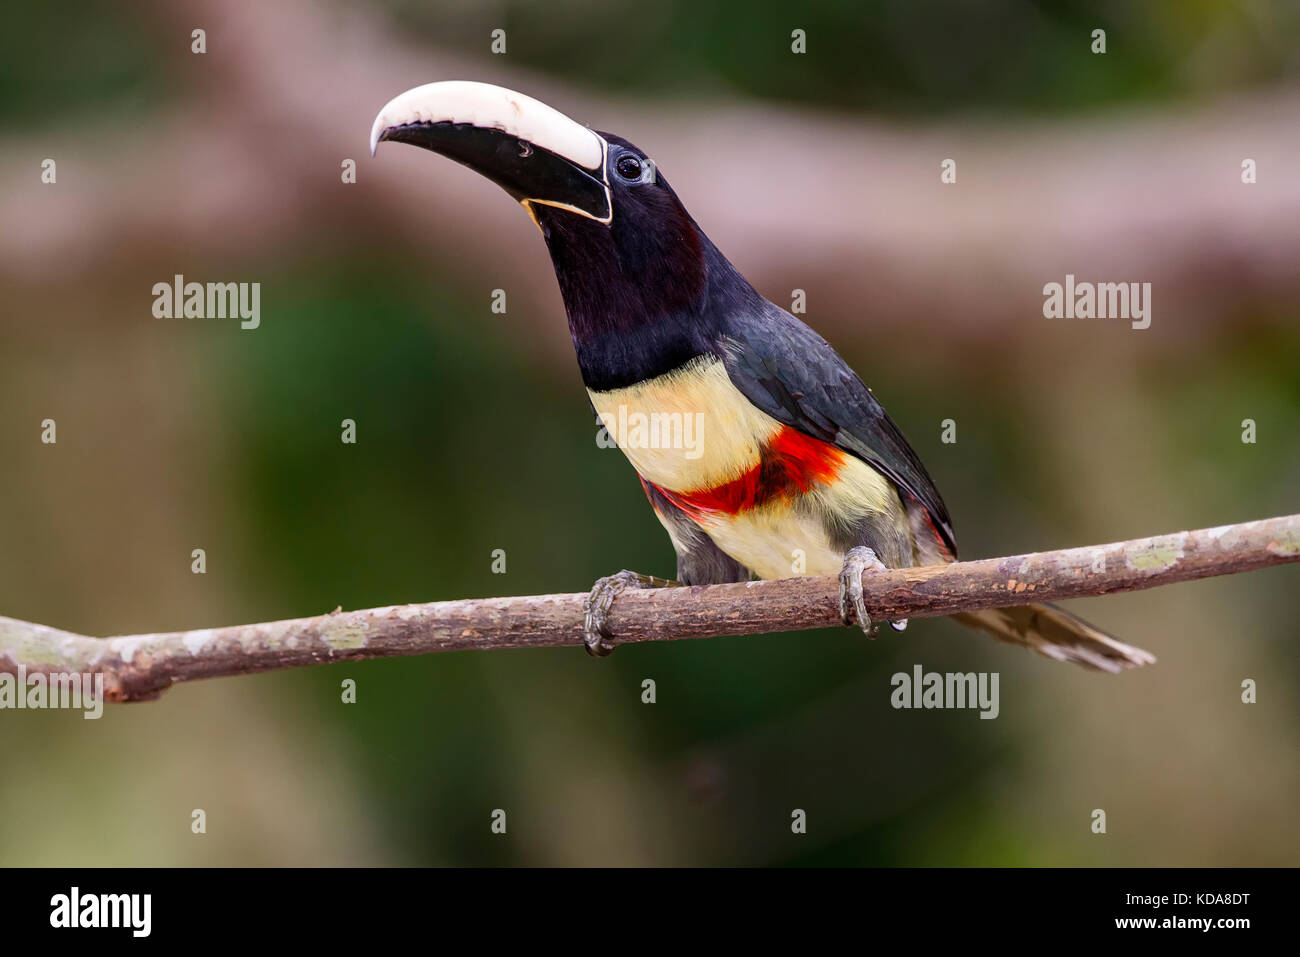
x,y
636,308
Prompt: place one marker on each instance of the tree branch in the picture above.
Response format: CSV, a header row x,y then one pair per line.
x,y
140,667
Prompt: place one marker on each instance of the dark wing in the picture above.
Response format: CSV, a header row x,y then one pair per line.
x,y
793,375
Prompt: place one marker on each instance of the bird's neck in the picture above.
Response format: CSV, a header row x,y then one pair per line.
x,y
636,309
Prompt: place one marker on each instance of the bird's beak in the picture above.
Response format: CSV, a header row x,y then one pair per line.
x,y
537,154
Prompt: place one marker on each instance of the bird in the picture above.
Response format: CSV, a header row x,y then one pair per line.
x,y
795,468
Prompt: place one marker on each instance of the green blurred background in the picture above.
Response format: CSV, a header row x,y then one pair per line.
x,y
474,434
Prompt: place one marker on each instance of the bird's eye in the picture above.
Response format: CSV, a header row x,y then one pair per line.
x,y
629,167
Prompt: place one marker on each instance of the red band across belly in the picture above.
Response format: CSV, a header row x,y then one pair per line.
x,y
790,464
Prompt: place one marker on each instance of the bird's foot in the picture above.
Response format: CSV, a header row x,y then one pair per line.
x,y
857,561
595,632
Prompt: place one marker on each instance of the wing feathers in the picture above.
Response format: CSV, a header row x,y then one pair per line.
x,y
793,375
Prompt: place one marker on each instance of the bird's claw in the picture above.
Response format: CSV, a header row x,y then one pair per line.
x,y
857,561
595,632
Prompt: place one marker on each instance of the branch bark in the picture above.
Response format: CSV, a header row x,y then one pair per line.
x,y
140,667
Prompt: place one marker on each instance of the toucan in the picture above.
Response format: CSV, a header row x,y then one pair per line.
x,y
796,468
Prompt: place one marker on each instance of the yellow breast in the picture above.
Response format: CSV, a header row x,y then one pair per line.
x,y
687,429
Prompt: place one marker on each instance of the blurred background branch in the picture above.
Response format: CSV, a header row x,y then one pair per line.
x,y
797,198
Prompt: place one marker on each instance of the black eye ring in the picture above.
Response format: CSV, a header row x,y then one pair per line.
x,y
629,167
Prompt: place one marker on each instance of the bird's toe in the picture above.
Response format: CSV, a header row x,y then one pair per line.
x,y
596,637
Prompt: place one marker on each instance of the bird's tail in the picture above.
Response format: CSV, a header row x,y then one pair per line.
x,y
1058,634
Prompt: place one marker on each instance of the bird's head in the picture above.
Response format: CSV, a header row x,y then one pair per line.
x,y
624,248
